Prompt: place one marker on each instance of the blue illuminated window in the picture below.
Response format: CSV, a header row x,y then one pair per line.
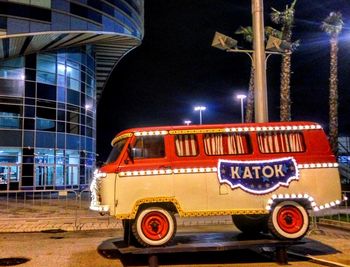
x,y
9,120
44,139
12,68
45,124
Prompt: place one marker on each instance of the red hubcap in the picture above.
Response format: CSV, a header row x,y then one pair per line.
x,y
155,225
290,219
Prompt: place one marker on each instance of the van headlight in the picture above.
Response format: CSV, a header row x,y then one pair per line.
x,y
99,174
95,190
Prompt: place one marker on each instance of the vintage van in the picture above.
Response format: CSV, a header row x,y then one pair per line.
x,y
267,176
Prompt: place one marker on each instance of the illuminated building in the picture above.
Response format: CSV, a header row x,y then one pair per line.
x,y
55,59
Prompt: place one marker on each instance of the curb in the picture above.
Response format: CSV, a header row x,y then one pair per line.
x,y
316,260
25,225
335,224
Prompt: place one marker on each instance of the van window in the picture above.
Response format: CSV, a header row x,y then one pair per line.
x,y
226,144
149,147
281,142
186,145
117,149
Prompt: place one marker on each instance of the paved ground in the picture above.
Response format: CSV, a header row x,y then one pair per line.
x,y
328,244
99,248
68,215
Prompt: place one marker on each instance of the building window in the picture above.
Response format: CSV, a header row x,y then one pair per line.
x,y
10,158
72,167
46,69
45,125
12,68
85,12
186,145
281,142
40,3
73,76
226,144
44,167
9,120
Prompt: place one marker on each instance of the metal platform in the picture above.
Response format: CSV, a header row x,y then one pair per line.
x,y
190,243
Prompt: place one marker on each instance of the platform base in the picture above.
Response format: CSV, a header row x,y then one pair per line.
x,y
210,243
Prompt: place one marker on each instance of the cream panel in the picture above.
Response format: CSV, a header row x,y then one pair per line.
x,y
223,197
107,191
191,191
322,184
133,188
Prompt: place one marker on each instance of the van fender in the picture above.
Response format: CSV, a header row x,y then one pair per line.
x,y
304,199
168,203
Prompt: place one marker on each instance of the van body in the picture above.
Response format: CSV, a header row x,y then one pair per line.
x,y
266,175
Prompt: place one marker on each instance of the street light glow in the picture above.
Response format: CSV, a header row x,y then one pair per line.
x,y
241,97
187,122
200,109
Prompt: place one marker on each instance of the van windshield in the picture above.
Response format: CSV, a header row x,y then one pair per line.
x,y
117,149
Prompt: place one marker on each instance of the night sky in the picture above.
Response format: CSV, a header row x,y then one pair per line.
x,y
176,68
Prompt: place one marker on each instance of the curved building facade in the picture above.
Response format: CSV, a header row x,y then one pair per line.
x,y
55,58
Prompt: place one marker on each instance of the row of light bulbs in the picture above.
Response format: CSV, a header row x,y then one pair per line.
x,y
244,129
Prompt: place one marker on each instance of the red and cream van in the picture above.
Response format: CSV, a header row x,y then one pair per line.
x,y
266,175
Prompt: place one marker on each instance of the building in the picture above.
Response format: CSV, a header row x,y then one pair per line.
x,y
55,59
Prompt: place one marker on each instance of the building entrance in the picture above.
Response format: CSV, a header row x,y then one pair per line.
x,y
9,176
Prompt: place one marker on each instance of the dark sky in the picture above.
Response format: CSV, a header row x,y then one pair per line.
x,y
176,68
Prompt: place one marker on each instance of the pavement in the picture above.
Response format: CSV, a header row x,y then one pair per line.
x,y
330,246
70,215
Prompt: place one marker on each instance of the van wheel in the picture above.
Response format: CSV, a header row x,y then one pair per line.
x,y
251,224
154,226
289,220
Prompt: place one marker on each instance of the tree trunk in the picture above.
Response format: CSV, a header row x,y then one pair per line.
x,y
285,110
333,95
250,99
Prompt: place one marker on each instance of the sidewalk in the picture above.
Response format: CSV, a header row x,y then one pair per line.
x,y
73,215
327,246
70,216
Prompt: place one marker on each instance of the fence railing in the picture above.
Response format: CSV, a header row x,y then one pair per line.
x,y
74,205
339,213
44,203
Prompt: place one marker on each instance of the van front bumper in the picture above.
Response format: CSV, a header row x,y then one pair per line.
x,y
95,188
99,208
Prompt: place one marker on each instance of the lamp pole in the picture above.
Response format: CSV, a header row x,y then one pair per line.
x,y
241,98
200,109
261,110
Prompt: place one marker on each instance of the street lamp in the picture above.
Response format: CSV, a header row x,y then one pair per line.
x,y
241,98
187,122
258,58
200,109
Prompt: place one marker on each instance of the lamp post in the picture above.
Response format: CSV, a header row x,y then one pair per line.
x,y
241,98
187,122
260,92
258,57
200,109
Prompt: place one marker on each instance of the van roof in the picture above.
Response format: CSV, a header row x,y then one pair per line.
x,y
264,126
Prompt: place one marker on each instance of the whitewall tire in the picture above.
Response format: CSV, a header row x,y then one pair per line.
x,y
289,220
154,226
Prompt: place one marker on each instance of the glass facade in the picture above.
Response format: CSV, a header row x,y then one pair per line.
x,y
55,58
47,124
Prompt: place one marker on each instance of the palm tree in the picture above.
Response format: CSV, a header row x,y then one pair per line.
x,y
286,19
333,25
247,33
